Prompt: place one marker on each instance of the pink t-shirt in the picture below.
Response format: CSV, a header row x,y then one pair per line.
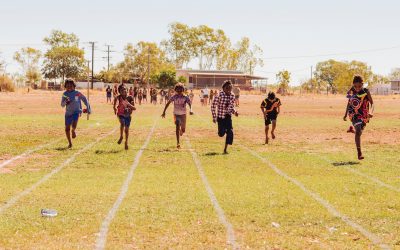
x,y
180,102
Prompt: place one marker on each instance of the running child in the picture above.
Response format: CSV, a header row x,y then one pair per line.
x,y
71,99
360,108
123,110
222,109
270,108
180,101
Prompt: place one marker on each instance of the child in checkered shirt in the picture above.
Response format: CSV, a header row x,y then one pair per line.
x,y
222,108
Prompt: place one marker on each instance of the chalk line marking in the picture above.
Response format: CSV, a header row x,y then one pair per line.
x,y
102,235
17,197
231,240
332,210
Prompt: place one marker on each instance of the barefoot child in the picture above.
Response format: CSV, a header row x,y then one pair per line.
x,y
72,100
358,110
124,110
222,109
270,108
180,101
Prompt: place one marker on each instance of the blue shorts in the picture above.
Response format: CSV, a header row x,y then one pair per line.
x,y
125,120
69,119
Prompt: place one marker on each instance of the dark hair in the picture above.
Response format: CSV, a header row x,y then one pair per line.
x,y
179,86
226,83
271,95
69,81
358,79
120,87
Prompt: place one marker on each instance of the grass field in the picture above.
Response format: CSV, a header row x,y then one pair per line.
x,y
305,190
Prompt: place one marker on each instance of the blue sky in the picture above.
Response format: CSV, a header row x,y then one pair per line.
x,y
281,28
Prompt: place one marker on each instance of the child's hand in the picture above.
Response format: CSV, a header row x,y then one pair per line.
x,y
345,118
163,115
370,115
115,111
236,114
191,113
214,120
133,108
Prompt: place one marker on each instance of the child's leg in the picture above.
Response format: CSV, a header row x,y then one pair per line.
x,y
67,133
177,130
126,137
74,125
266,133
183,124
273,129
121,129
358,134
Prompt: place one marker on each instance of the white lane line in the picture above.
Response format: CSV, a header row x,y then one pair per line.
x,y
332,210
102,235
27,153
231,240
17,197
33,150
357,172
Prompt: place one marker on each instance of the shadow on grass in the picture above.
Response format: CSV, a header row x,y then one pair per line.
x,y
113,151
62,148
212,154
345,163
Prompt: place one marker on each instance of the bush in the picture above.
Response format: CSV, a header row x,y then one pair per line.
x,y
6,84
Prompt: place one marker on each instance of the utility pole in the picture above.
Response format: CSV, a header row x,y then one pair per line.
x,y
148,66
92,43
108,55
88,80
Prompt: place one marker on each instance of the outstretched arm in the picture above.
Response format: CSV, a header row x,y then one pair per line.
x,y
114,104
165,108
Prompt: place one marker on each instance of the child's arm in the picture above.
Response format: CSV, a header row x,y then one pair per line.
x,y
232,107
85,101
64,101
347,110
213,108
165,108
371,111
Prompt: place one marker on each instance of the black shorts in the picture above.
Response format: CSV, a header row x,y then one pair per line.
x,y
270,117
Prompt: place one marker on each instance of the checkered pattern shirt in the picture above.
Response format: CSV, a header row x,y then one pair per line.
x,y
225,105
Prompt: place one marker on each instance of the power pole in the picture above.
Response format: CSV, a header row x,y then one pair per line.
x,y
92,43
148,67
88,74
108,55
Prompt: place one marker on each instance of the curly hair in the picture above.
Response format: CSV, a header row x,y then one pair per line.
x,y
358,79
69,80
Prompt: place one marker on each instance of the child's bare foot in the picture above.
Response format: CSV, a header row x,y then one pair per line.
x,y
178,146
73,134
351,130
226,152
266,140
273,136
126,146
120,140
70,145
360,157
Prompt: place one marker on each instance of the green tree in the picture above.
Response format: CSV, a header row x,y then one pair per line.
x,y
179,46
165,79
28,58
139,57
64,58
283,80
